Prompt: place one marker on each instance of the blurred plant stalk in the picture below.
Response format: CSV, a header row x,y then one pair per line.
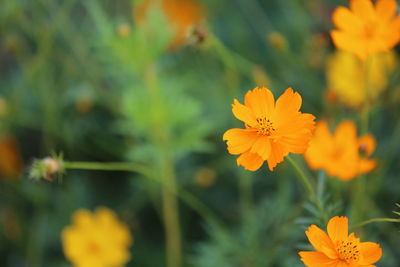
x,y
359,197
167,175
309,187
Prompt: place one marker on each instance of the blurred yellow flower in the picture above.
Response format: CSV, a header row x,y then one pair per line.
x,y
182,15
338,248
365,29
354,85
96,239
342,154
273,129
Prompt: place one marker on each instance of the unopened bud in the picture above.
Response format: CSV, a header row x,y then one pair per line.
x,y
124,29
277,41
46,168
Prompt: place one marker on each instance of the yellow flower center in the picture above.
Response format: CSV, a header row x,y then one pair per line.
x,y
369,30
264,126
93,248
348,251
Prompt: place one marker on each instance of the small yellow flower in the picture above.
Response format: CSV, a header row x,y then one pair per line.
x,y
353,84
96,239
338,248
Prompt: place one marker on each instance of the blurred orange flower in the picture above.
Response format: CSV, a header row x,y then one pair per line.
x,y
273,130
338,248
10,159
365,29
182,15
343,154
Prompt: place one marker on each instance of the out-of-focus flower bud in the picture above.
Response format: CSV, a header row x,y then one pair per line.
x,y
196,36
123,29
277,41
331,96
260,77
84,105
205,177
46,168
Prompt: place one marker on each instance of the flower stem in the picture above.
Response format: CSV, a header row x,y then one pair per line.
x,y
306,181
106,166
161,139
246,194
303,178
185,196
170,212
374,220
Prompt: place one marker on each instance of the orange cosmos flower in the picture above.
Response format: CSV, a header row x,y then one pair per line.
x,y
366,29
182,15
273,130
338,248
342,154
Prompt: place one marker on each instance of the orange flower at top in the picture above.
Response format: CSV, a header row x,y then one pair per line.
x,y
366,29
273,130
338,248
340,154
182,15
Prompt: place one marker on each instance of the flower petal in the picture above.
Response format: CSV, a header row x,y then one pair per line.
x,y
346,133
370,253
250,161
321,241
348,42
338,228
240,140
260,101
367,144
316,259
363,9
243,113
367,165
344,19
262,147
276,155
386,9
288,102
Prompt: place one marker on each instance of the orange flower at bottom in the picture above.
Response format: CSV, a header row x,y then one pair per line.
x,y
342,154
338,248
273,129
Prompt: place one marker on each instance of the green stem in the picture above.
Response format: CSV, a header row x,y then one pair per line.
x,y
161,138
303,178
306,181
374,220
246,194
359,195
185,196
107,166
170,212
